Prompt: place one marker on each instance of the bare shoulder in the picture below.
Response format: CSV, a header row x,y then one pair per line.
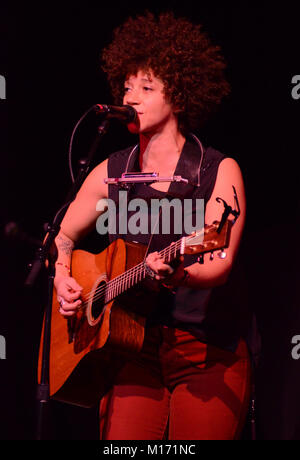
x,y
94,183
229,166
99,172
229,174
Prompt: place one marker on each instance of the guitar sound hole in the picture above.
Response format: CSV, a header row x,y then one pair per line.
x,y
98,301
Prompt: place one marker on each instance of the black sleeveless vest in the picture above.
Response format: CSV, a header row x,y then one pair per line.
x,y
187,309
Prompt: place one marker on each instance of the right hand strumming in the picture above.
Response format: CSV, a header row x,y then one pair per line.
x,y
68,293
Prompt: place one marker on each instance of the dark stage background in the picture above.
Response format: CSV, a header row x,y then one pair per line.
x,y
49,57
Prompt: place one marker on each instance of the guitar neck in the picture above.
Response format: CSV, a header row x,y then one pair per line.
x,y
136,274
209,239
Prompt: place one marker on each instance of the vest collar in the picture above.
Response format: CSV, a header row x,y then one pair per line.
x,y
187,168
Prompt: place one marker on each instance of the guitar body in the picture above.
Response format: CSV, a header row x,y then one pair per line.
x,y
87,350
82,355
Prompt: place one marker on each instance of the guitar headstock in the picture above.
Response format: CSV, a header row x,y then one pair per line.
x,y
208,239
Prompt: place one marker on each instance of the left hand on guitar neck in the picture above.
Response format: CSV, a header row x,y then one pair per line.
x,y
170,275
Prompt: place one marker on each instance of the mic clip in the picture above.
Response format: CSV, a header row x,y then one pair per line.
x,y
141,177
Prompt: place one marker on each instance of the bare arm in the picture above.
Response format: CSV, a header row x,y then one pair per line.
x,y
212,273
78,221
216,272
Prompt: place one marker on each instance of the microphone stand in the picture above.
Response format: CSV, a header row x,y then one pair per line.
x,y
48,251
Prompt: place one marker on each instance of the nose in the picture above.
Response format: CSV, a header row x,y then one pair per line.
x,y
131,101
132,98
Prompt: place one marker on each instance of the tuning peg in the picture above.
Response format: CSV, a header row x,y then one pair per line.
x,y
222,254
200,259
211,257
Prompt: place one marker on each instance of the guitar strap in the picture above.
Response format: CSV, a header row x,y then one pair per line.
x,y
188,166
194,163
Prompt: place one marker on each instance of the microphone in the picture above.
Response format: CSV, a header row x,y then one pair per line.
x,y
125,113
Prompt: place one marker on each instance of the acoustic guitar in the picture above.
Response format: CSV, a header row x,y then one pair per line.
x,y
117,296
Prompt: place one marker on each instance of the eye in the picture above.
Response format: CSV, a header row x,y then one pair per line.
x,y
126,89
147,88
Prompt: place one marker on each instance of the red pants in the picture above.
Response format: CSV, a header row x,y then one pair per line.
x,y
178,388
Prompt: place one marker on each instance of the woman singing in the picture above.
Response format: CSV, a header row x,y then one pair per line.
x,y
191,379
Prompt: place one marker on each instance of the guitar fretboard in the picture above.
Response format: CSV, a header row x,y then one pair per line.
x,y
205,240
136,274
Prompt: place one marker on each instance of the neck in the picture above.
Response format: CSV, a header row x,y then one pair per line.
x,y
163,146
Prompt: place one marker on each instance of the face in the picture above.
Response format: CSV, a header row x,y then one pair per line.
x,y
145,93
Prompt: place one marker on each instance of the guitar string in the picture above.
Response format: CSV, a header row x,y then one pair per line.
x,y
121,279
128,275
114,285
131,274
134,271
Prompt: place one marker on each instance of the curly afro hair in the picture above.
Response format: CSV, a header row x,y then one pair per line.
x,y
176,51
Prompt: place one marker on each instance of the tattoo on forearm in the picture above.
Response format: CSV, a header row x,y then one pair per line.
x,y
64,245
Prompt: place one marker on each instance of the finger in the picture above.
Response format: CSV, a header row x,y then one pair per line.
x,y
161,268
68,296
164,269
71,296
60,300
72,284
152,257
71,306
162,277
154,261
66,313
64,307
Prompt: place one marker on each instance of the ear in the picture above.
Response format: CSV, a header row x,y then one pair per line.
x,y
177,110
